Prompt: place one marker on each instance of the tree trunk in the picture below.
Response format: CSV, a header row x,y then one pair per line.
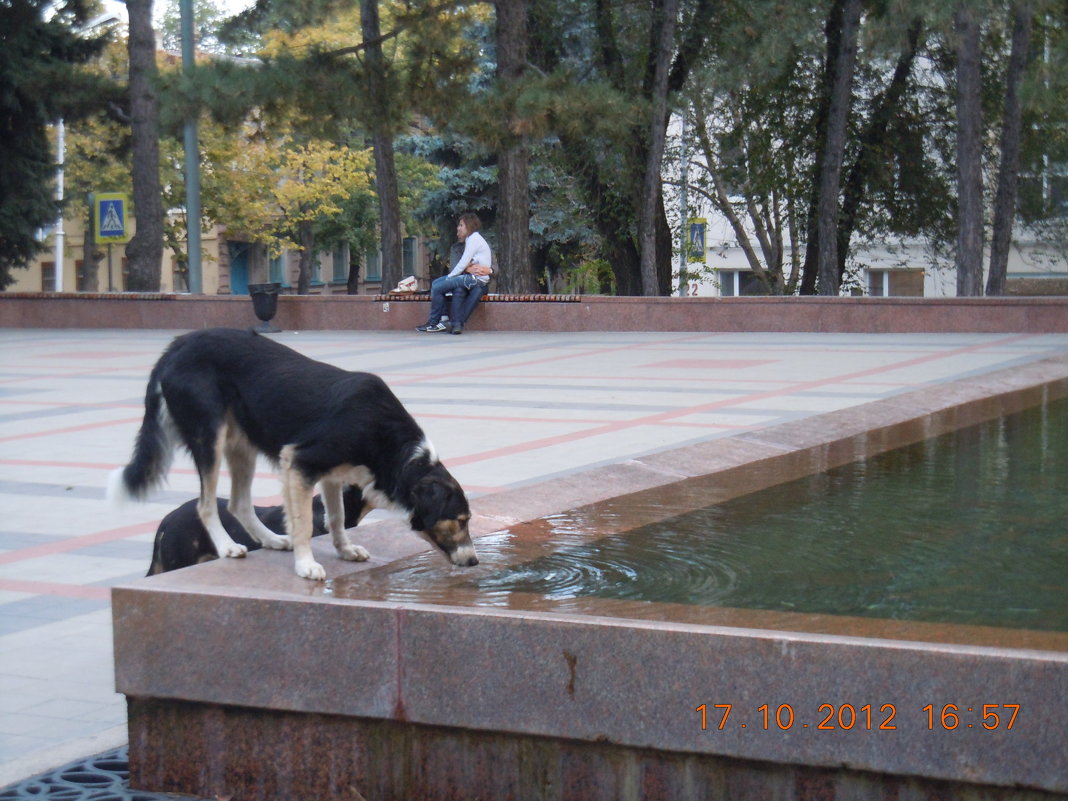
x,y
514,272
874,144
840,101
665,13
352,286
969,153
388,209
382,139
771,276
144,252
832,33
307,253
610,206
623,256
666,240
90,281
1009,168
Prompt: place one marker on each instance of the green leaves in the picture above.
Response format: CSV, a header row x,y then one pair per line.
x,y
40,56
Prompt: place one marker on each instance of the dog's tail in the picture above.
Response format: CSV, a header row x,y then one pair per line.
x,y
153,450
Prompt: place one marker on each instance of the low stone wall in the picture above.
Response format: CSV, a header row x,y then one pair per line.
x,y
546,313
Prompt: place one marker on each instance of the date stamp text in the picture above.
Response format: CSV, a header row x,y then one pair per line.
x,y
864,717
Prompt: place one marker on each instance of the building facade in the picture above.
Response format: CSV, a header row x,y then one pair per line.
x,y
228,266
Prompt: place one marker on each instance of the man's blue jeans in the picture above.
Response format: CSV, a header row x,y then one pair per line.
x,y
466,293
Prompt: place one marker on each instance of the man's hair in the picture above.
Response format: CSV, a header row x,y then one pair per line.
x,y
471,221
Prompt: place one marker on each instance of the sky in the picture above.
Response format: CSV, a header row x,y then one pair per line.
x,y
118,8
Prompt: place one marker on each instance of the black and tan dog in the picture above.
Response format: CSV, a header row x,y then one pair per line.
x,y
181,539
224,393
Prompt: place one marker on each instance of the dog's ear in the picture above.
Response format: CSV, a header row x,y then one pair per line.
x,y
428,498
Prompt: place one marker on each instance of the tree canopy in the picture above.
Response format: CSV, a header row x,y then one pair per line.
x,y
836,127
42,47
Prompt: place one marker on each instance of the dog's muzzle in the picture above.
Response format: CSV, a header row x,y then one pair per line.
x,y
464,556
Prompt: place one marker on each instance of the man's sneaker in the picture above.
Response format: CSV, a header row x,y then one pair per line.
x,y
432,329
458,329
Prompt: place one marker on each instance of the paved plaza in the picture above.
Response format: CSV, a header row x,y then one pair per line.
x,y
505,410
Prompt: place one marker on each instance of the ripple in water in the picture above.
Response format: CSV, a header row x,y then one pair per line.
x,y
642,568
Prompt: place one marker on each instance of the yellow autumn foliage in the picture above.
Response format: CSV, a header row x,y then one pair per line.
x,y
263,189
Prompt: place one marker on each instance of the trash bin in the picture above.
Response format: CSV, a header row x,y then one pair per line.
x,y
265,304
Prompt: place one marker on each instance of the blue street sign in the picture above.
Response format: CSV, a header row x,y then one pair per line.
x,y
109,217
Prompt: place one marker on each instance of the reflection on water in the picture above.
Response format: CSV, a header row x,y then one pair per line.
x,y
967,528
636,566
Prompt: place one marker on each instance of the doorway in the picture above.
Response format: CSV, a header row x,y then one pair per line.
x,y
239,252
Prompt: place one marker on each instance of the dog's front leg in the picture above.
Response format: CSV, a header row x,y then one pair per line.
x,y
208,512
297,497
335,523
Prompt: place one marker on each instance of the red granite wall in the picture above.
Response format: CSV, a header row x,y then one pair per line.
x,y
510,313
229,752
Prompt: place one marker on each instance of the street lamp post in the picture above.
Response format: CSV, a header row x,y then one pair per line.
x,y
192,158
59,235
61,157
684,211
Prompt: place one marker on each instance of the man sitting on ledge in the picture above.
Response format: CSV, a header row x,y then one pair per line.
x,y
466,281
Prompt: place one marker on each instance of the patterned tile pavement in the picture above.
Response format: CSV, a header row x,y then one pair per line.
x,y
504,410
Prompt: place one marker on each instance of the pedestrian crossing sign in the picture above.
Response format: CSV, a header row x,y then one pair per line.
x,y
110,217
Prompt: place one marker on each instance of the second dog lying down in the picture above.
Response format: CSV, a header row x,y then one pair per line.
x,y
181,539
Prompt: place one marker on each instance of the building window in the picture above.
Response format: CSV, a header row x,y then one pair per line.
x,y
906,283
409,255
1057,184
341,264
374,266
728,283
878,283
733,283
179,276
48,276
277,269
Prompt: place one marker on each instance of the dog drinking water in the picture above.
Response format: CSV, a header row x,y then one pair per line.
x,y
231,394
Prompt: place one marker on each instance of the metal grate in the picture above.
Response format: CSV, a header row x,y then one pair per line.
x,y
103,777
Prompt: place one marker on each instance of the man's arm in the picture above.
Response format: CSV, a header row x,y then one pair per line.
x,y
466,259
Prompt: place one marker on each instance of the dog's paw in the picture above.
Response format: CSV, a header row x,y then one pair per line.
x,y
354,553
278,543
310,569
234,551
